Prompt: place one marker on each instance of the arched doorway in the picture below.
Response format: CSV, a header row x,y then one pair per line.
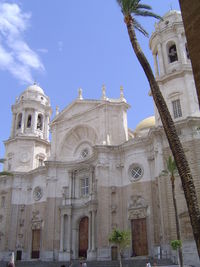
x,y
83,237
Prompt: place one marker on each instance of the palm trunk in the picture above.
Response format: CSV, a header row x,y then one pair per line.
x,y
120,258
178,233
170,131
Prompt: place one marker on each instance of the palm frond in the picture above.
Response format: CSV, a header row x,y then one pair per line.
x,y
144,6
6,173
145,13
2,160
171,165
139,27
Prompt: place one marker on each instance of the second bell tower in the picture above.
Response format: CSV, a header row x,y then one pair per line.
x,y
28,145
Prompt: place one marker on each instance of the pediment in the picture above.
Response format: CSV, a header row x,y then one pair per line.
x,y
76,108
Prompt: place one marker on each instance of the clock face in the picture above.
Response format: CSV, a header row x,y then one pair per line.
x,y
24,157
37,193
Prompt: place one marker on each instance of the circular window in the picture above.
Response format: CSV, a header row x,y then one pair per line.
x,y
37,193
135,172
84,153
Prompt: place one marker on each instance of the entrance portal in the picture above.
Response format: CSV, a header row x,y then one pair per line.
x,y
83,237
139,237
35,244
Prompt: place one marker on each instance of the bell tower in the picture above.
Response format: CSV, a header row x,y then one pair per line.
x,y
172,67
28,145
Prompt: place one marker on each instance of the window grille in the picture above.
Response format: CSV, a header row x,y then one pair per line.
x,y
177,108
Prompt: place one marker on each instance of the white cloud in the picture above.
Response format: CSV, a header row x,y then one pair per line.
x,y
42,50
15,54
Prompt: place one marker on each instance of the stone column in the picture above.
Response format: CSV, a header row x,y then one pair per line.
x,y
90,231
23,125
182,50
35,121
61,232
45,127
13,125
69,231
155,65
93,231
161,62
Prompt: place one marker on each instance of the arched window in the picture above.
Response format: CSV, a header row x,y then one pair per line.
x,y
29,121
172,53
39,121
19,121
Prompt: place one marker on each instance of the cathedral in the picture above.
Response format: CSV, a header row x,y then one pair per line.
x,y
67,195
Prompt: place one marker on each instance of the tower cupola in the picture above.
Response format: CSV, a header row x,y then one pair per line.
x,y
31,113
169,46
28,146
172,66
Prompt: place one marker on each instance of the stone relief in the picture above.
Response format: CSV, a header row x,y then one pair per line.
x,y
113,208
65,192
137,207
21,222
136,202
35,214
37,193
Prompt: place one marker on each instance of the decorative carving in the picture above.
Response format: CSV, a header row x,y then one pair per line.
x,y
113,208
22,207
21,222
37,225
20,236
137,213
136,202
35,214
24,157
37,193
65,192
113,189
137,208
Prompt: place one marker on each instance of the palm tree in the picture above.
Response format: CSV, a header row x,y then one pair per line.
x,y
122,240
171,170
130,10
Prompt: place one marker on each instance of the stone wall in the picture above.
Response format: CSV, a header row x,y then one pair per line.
x,y
191,19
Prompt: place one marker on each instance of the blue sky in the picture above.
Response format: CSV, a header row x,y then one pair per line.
x,y
64,45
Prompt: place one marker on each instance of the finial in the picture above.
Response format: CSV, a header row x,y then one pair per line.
x,y
103,92
122,94
80,96
57,110
171,6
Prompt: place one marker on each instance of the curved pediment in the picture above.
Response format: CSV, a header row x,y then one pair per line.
x,y
78,143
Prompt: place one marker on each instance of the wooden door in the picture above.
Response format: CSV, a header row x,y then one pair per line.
x,y
139,237
35,244
83,237
114,253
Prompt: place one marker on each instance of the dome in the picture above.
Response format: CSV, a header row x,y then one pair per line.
x,y
35,88
145,124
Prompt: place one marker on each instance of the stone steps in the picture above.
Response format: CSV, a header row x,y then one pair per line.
x,y
76,263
